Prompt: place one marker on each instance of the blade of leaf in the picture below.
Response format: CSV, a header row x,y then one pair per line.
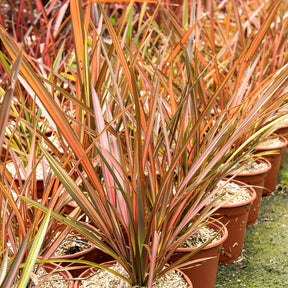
x,y
5,107
33,254
13,269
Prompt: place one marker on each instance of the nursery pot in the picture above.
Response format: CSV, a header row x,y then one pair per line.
x,y
275,160
256,180
89,271
69,207
282,131
50,267
235,216
203,273
92,254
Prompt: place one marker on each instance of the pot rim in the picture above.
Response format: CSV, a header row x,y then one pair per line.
x,y
282,138
216,224
109,263
244,203
260,159
75,255
64,272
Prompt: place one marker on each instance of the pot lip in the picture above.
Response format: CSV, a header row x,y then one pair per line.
x,y
215,223
283,139
63,272
75,255
282,127
260,159
109,263
244,203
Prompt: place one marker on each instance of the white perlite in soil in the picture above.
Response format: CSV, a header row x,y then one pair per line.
x,y
72,244
270,143
39,170
203,235
250,166
231,193
55,280
105,279
285,122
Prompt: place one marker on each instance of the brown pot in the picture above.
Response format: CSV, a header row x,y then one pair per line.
x,y
235,217
69,207
49,267
282,131
275,160
256,180
88,271
203,273
91,254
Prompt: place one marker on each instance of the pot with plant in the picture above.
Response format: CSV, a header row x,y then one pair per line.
x,y
252,172
273,149
65,244
235,199
207,258
160,154
282,129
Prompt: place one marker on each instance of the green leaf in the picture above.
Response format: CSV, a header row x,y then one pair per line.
x,y
13,269
33,254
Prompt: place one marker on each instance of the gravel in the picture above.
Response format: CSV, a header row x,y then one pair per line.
x,y
230,194
250,166
104,279
73,243
41,280
203,235
270,143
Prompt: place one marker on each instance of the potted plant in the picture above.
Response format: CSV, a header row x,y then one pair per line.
x,y
253,172
273,149
160,154
207,258
236,198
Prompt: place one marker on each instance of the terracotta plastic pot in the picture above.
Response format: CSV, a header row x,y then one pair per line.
x,y
282,131
235,216
275,160
92,254
69,207
203,273
256,180
49,267
88,271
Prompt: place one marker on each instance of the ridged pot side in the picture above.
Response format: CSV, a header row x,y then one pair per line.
x,y
257,181
235,217
275,160
204,273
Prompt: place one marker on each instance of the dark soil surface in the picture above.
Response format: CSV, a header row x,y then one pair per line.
x,y
264,261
